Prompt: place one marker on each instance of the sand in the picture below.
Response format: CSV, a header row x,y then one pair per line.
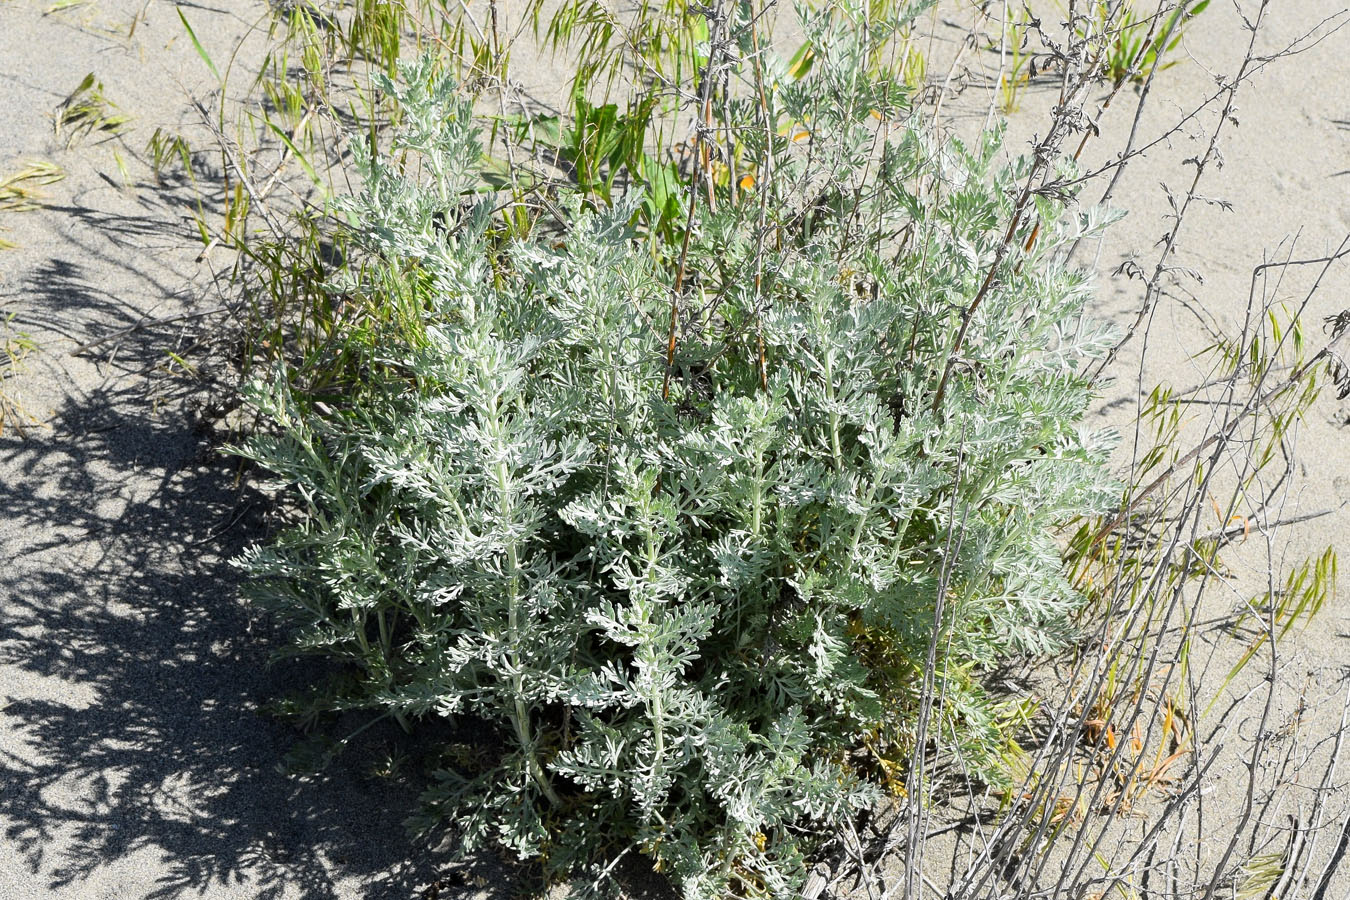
x,y
134,761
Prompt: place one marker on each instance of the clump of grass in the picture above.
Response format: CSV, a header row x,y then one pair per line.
x,y
1136,43
14,347
19,190
165,149
1306,590
87,112
1016,73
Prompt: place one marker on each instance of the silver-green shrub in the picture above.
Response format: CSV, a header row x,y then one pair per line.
x,y
695,616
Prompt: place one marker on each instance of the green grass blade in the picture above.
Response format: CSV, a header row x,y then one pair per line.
x,y
290,145
201,51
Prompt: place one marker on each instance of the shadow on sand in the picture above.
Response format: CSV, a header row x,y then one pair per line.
x,y
152,740
131,745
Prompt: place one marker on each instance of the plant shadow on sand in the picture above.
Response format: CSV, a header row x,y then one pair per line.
x,y
133,754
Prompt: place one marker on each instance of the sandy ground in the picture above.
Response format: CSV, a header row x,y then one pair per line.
x,y
133,760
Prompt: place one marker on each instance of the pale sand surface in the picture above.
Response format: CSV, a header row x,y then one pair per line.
x,y
133,761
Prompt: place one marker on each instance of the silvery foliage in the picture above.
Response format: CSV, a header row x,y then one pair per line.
x,y
679,619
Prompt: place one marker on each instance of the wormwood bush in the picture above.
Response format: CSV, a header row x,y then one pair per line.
x,y
695,607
